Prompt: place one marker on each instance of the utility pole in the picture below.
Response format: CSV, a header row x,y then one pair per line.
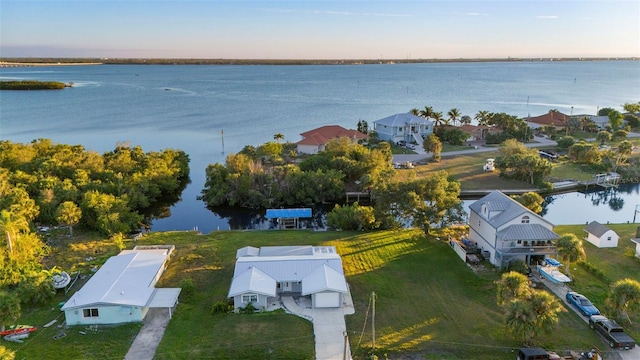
x,y
222,135
634,214
373,323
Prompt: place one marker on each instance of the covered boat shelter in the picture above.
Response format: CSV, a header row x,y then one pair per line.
x,y
288,218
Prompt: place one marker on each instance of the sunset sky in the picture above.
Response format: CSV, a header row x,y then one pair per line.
x,y
302,29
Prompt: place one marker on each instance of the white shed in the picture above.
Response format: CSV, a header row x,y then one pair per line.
x,y
637,242
123,289
601,235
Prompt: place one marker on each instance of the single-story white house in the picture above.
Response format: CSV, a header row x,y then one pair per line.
x,y
314,141
123,289
601,235
262,274
405,126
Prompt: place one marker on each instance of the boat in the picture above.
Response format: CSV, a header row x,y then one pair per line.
x,y
550,270
15,329
60,280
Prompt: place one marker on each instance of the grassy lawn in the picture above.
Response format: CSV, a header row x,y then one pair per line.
x,y
468,170
428,302
612,264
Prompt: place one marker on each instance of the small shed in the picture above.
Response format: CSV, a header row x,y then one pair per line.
x,y
601,235
636,240
288,218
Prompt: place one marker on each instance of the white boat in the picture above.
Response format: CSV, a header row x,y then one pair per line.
x,y
550,270
61,280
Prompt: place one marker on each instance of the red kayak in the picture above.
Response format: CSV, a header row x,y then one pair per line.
x,y
16,329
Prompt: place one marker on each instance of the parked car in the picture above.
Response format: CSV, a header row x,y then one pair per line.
x,y
612,332
582,303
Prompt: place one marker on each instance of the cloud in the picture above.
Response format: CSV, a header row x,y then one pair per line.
x,y
547,17
475,14
337,13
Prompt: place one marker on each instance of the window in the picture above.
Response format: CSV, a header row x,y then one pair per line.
x,y
609,238
90,312
525,219
250,298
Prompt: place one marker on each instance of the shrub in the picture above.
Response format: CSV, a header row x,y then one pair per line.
x,y
249,309
188,287
221,307
566,141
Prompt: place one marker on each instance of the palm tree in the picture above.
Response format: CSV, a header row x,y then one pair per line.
x,y
278,137
521,320
454,114
437,118
625,294
570,249
483,117
11,226
512,285
414,111
427,112
546,307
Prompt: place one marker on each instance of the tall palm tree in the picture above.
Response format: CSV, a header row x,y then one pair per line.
x,y
521,320
414,111
278,137
483,117
512,285
570,249
11,225
427,112
454,114
437,118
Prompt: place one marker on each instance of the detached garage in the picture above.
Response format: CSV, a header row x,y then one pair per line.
x,y
601,235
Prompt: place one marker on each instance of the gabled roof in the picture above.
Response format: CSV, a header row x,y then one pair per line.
x,y
323,278
125,279
403,119
324,134
526,232
554,118
501,209
596,228
470,129
254,281
247,251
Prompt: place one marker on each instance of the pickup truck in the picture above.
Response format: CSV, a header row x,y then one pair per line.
x,y
612,332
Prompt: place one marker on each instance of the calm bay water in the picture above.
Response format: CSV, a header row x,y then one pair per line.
x,y
188,107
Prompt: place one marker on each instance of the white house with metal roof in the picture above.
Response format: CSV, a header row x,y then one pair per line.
x,y
123,289
405,126
261,275
601,235
504,231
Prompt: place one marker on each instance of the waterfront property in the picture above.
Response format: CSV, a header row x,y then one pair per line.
x,y
314,141
403,127
504,231
552,118
601,235
263,274
123,289
479,132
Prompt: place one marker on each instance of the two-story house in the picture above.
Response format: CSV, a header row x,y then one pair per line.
x,y
505,231
403,127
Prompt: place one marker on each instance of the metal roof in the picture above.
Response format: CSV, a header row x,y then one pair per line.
x,y
526,232
254,281
504,207
288,213
403,119
324,278
124,279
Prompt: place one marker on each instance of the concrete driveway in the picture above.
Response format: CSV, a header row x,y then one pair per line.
x,y
561,291
146,342
329,327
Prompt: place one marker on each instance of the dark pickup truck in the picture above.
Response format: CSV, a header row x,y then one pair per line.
x,y
613,333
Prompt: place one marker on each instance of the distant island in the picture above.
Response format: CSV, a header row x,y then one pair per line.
x,y
22,62
32,85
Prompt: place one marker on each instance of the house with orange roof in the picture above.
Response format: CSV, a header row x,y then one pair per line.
x,y
316,140
479,132
552,118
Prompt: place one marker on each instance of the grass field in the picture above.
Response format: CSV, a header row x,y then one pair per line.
x,y
427,302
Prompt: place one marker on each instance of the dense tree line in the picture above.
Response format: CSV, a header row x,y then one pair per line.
x,y
112,190
253,181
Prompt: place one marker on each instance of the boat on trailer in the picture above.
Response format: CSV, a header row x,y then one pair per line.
x,y
550,270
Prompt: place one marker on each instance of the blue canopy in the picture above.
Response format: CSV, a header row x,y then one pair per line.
x,y
288,213
552,262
